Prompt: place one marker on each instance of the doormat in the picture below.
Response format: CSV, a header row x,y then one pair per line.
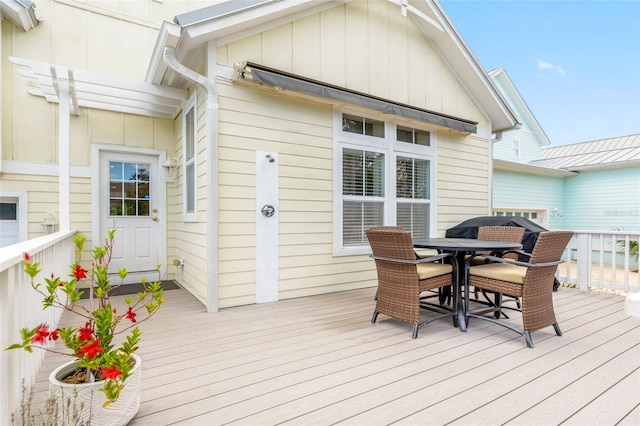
x,y
134,289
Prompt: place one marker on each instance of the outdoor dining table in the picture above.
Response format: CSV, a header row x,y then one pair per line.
x,y
462,247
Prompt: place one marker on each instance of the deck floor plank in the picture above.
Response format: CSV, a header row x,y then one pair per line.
x,y
319,360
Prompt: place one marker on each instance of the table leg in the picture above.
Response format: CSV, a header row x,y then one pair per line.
x,y
458,283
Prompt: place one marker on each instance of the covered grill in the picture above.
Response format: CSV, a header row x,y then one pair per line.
x,y
469,229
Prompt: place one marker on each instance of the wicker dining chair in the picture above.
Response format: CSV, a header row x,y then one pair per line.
x,y
531,281
402,277
499,233
513,234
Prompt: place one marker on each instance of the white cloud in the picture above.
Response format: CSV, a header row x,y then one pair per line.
x,y
548,66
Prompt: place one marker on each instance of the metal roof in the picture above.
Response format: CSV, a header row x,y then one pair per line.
x,y
604,153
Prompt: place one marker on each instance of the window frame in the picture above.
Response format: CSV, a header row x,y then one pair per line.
x,y
190,188
392,149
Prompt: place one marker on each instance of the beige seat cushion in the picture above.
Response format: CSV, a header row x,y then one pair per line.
x,y
430,270
500,271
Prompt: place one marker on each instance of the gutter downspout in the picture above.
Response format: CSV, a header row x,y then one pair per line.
x,y
495,140
212,117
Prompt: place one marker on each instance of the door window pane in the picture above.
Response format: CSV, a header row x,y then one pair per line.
x,y
129,189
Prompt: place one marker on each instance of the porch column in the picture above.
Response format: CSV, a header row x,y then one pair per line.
x,y
62,87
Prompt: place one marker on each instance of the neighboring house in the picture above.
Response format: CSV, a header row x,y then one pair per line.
x,y
586,186
253,143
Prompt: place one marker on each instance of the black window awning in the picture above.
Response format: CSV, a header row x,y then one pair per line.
x,y
297,83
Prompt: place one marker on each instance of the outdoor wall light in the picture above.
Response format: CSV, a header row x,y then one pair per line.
x,y
555,212
171,166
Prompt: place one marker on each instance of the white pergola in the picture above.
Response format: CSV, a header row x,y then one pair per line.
x,y
73,89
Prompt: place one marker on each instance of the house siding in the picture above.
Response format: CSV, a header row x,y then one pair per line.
x,y
513,190
379,45
603,200
365,46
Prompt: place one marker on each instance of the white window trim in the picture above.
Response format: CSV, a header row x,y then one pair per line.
x,y
191,104
386,145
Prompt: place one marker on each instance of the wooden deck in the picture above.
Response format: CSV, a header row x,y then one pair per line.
x,y
319,361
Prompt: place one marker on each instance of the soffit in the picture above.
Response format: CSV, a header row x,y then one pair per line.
x,y
92,90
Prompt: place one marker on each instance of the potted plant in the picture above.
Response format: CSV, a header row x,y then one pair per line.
x,y
103,346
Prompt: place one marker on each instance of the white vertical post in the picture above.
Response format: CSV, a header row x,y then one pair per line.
x,y
63,151
584,261
266,226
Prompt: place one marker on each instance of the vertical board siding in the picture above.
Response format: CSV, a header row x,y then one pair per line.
x,y
366,46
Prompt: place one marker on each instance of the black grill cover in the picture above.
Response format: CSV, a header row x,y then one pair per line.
x,y
469,229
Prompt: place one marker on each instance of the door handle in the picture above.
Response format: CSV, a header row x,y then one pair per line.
x,y
154,218
268,210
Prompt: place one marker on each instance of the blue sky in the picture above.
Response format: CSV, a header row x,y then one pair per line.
x,y
575,63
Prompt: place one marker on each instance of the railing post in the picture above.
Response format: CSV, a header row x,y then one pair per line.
x,y
584,261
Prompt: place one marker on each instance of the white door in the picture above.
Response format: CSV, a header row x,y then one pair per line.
x,y
129,189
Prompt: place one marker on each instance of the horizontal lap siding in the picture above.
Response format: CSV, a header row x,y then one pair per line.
x,y
189,239
463,179
301,133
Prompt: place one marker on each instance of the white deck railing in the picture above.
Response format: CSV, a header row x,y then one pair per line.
x,y
602,260
21,307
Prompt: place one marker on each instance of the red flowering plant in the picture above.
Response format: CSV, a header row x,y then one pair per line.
x,y
92,344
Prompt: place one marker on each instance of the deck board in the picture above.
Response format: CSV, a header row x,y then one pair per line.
x,y
318,361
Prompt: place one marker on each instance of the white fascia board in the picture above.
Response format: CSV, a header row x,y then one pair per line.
x,y
168,36
241,25
457,54
501,75
529,169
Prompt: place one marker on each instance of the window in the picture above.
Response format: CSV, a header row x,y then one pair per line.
x,y
128,189
412,195
363,193
515,144
189,152
362,126
414,136
384,173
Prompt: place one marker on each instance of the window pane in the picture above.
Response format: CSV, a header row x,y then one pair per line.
x,y
129,190
421,179
115,208
189,134
115,171
190,191
130,171
412,178
357,217
352,124
414,218
115,189
422,138
130,207
143,208
362,173
8,211
143,190
374,128
404,134
143,172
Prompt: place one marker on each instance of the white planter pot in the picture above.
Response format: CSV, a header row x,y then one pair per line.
x,y
118,413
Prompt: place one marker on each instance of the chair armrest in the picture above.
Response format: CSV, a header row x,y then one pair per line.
x,y
416,261
511,261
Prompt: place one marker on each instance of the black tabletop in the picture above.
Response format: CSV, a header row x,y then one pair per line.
x,y
464,244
